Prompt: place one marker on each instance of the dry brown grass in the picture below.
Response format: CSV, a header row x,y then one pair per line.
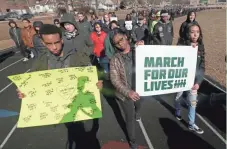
x,y
213,24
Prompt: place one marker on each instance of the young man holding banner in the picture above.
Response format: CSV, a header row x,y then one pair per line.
x,y
57,57
122,75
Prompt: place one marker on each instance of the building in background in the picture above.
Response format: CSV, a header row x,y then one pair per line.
x,y
194,2
104,4
43,6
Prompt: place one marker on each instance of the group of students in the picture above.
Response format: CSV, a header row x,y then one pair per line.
x,y
69,43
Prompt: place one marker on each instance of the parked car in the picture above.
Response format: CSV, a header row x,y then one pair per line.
x,y
12,16
27,16
2,17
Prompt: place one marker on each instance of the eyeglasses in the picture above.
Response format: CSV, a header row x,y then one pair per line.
x,y
118,42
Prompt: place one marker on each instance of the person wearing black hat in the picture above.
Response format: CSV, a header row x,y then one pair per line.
x,y
57,23
15,34
163,30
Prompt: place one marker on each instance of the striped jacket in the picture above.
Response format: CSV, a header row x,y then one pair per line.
x,y
118,77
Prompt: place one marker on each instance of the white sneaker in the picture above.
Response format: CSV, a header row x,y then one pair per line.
x,y
25,59
196,129
32,55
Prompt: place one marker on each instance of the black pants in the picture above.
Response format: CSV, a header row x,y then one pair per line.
x,y
130,108
82,134
23,50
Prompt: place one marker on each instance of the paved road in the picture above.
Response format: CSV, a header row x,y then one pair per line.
x,y
163,130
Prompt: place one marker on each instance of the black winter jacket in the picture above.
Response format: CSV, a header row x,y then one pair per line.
x,y
163,33
200,66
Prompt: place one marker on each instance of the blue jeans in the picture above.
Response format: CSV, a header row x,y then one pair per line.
x,y
104,63
191,102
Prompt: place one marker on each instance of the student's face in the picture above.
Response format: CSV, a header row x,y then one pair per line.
x,y
26,23
53,42
69,27
120,41
106,18
165,18
12,25
98,28
144,21
37,28
194,33
80,17
192,16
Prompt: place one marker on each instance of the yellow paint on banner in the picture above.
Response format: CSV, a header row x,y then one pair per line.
x,y
58,96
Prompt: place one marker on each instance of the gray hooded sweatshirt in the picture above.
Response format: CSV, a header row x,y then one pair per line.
x,y
77,40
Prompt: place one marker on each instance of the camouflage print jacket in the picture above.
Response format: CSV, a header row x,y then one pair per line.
x,y
118,77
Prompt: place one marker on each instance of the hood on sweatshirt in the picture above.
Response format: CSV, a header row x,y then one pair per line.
x,y
188,16
37,24
69,18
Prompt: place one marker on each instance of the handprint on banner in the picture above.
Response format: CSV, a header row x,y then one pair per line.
x,y
16,78
81,69
43,115
49,92
90,69
63,70
47,104
47,84
31,106
27,119
72,77
45,75
59,80
32,93
25,82
54,109
58,116
83,99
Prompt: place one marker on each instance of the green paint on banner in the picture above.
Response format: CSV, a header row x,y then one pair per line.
x,y
158,85
80,101
164,62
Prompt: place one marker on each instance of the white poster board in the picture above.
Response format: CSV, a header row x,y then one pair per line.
x,y
113,19
164,69
128,25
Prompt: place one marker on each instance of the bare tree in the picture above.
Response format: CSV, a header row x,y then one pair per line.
x,y
141,2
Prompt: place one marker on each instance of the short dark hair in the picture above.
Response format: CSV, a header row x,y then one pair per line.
x,y
56,20
115,32
48,29
26,19
113,22
81,13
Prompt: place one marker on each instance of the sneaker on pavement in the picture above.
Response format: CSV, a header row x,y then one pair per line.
x,y
195,128
178,117
25,59
133,145
32,55
137,116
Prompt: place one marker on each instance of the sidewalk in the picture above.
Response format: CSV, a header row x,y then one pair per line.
x,y
5,44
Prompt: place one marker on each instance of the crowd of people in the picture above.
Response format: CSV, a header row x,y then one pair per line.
x,y
71,43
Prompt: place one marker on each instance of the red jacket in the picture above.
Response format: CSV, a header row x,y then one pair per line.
x,y
98,41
